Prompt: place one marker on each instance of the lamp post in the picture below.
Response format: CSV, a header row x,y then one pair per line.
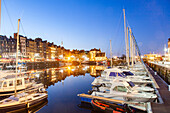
x,y
165,50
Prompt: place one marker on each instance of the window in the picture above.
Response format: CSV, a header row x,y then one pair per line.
x,y
5,84
19,82
11,83
120,89
26,80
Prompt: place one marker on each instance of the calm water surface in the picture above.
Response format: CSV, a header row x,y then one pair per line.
x,y
63,85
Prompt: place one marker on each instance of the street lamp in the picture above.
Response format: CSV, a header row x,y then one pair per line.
x,y
165,50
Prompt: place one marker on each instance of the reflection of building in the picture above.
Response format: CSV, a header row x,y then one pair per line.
x,y
96,70
169,49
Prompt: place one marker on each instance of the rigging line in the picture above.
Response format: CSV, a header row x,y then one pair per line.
x,y
23,29
8,15
118,27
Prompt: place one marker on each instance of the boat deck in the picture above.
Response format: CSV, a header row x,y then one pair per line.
x,y
164,93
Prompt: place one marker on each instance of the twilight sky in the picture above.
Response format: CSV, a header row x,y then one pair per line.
x,y
86,24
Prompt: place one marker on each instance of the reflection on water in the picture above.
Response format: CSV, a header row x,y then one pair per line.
x,y
53,75
63,84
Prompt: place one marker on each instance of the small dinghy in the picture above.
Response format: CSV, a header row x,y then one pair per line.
x,y
107,107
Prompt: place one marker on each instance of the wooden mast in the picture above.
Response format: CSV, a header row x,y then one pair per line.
x,y
17,58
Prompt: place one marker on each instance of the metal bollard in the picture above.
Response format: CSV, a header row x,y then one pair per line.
x,y
155,73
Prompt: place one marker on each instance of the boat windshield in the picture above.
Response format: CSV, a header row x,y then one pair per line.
x,y
120,89
117,74
131,83
103,73
128,73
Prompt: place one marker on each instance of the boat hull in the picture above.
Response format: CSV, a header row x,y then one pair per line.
x,y
22,105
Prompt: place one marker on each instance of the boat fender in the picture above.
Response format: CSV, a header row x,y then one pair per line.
x,y
41,90
103,84
27,105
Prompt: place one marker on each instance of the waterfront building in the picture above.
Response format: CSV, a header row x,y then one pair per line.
x,y
45,48
169,49
39,48
100,57
93,53
4,47
23,45
152,57
51,51
30,47
67,54
59,53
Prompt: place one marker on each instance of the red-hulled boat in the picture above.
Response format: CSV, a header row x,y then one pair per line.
x,y
107,107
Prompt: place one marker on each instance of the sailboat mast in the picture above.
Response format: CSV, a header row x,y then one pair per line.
x,y
110,53
17,58
131,47
126,39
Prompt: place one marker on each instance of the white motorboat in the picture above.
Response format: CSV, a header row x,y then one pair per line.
x,y
23,100
120,92
128,84
109,75
7,84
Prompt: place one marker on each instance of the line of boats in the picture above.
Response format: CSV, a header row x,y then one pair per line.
x,y
28,92
132,85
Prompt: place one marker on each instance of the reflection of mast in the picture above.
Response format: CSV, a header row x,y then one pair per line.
x,y
62,82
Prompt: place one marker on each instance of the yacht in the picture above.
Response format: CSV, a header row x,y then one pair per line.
x,y
7,84
128,84
23,100
120,92
109,75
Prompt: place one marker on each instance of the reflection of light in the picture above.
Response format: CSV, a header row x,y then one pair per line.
x,y
61,71
72,69
68,58
69,67
115,57
73,56
165,49
141,56
152,58
37,75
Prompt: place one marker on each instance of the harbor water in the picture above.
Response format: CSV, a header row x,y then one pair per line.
x,y
63,84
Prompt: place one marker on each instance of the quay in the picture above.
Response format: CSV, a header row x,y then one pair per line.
x,y
162,89
42,65
162,69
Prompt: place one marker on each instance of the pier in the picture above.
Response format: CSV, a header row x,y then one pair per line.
x,y
163,91
162,69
